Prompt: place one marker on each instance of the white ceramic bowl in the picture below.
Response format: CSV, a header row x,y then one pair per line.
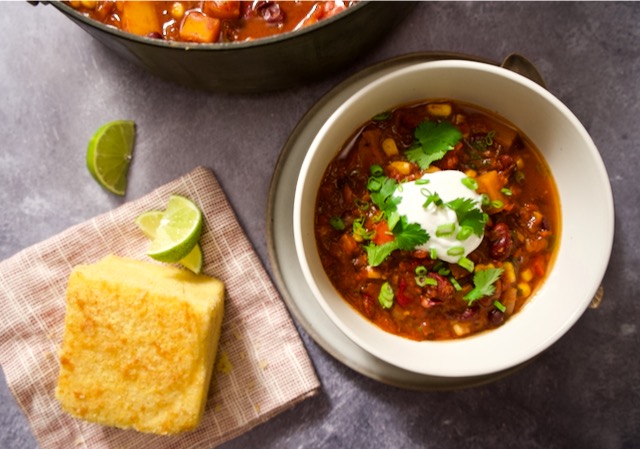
x,y
586,213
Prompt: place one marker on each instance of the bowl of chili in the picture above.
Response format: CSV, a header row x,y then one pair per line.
x,y
445,218
238,46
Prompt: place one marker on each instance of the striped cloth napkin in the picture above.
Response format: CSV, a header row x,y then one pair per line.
x,y
262,366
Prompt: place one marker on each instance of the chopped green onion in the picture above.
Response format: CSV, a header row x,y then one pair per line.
x,y
444,271
455,283
433,253
421,270
506,191
382,116
485,199
385,297
431,198
425,280
489,138
337,223
519,177
445,229
498,305
497,204
470,183
467,264
358,229
421,182
374,184
464,233
360,204
455,251
376,170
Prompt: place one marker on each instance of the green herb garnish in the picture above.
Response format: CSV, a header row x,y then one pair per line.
x,y
483,282
468,214
470,183
432,197
467,264
381,116
433,141
337,223
359,230
406,237
382,190
385,297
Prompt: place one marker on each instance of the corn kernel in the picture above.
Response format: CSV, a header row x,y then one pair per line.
x,y
526,275
389,147
402,167
439,109
471,173
524,289
75,3
89,4
509,272
519,163
460,329
177,10
432,169
372,273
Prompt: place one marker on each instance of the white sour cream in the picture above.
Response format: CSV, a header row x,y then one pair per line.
x,y
448,185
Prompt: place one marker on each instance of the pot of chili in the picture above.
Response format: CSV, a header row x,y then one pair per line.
x,y
438,218
237,46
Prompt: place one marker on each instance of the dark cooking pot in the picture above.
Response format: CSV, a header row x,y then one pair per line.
x,y
264,64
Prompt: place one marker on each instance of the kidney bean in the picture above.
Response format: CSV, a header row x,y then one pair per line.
x,y
271,12
501,242
442,291
496,317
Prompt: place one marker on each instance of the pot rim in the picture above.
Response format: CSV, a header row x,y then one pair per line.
x,y
217,46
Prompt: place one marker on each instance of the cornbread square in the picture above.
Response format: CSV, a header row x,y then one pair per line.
x,y
139,344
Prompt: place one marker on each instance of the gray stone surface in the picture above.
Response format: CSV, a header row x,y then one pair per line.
x,y
57,85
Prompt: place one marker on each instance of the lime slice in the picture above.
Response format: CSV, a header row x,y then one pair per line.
x,y
178,231
148,222
109,154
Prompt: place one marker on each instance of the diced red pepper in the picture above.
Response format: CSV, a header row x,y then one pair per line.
x,y
383,233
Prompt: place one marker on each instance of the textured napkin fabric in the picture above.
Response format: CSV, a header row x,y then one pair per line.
x,y
262,367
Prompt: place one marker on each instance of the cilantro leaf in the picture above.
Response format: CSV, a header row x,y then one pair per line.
x,y
376,254
382,196
483,281
409,235
434,140
469,214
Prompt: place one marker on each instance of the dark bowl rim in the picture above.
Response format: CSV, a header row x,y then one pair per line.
x,y
223,46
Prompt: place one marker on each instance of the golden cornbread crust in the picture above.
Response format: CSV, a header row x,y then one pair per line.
x,y
139,344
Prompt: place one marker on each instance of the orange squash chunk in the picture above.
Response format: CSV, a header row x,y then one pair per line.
x,y
198,27
140,18
222,9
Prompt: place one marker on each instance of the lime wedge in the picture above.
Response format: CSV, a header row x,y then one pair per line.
x,y
178,231
148,222
194,260
109,154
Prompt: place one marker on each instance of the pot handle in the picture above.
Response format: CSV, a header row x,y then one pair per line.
x,y
521,65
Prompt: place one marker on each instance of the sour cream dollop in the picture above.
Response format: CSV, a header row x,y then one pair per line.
x,y
449,186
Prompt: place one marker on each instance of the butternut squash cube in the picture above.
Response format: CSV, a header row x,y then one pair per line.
x,y
198,27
